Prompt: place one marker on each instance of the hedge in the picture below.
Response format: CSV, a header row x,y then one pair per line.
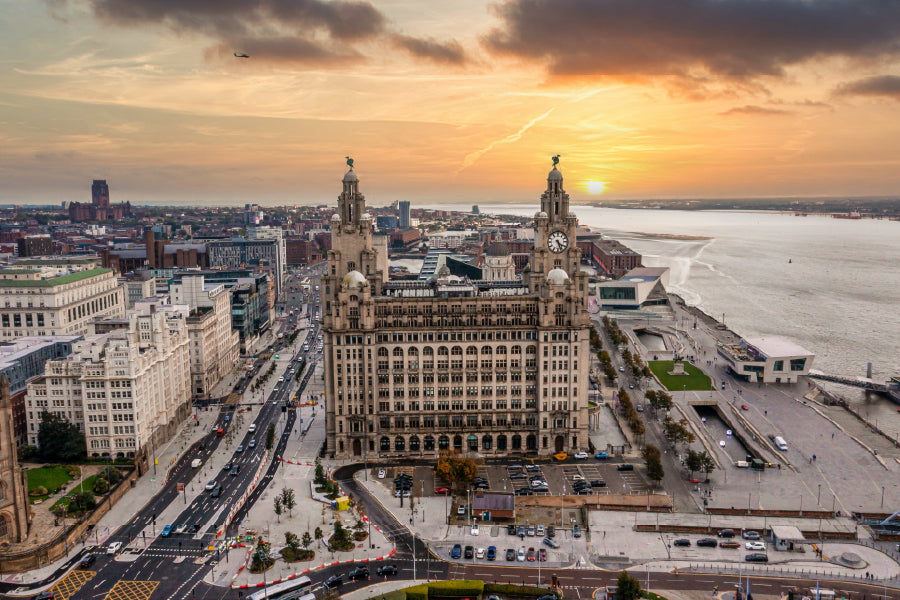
x,y
462,588
514,590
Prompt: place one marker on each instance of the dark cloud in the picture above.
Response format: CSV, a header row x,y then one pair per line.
x,y
448,52
733,39
754,110
887,86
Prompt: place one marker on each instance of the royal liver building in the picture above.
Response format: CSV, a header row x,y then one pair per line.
x,y
496,368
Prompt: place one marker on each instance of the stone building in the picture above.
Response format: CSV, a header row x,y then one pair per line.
x,y
498,263
490,368
13,491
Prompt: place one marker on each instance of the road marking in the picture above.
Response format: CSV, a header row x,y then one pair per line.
x,y
71,583
132,590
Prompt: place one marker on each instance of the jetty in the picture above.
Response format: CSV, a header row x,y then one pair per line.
x,y
890,388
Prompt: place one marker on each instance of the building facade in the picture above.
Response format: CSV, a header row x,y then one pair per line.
x,y
404,214
127,390
215,346
99,209
239,253
52,301
35,245
276,234
413,368
13,490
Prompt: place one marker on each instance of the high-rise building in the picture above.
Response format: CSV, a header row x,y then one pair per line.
x,y
100,193
491,368
404,214
35,245
264,247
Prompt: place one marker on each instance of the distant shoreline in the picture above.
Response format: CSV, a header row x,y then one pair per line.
x,y
673,236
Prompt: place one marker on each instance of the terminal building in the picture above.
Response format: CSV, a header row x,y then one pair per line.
x,y
637,288
491,368
767,359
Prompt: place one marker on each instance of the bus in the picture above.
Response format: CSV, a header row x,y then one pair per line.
x,y
293,589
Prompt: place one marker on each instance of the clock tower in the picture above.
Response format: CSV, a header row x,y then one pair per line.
x,y
554,233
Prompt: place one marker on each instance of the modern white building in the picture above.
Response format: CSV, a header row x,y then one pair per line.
x,y
56,301
215,346
126,389
638,287
265,232
770,359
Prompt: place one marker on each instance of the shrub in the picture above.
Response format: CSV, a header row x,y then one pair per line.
x,y
506,589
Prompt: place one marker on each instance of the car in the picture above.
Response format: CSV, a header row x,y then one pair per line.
x,y
510,554
531,555
235,470
239,449
482,485
358,574
532,468
541,488
576,531
744,406
757,557
281,380
442,491
580,456
167,531
227,467
386,570
584,492
518,476
524,492
216,492
510,530
469,552
46,595
456,551
539,531
211,485
598,483
682,542
625,467
731,545
492,553
521,531
630,386
252,444
474,528
194,528
601,455
755,546
550,542
520,554
114,548
181,529
750,535
577,477
334,581
530,531
479,554
707,542
537,484
725,533
551,531
542,555
381,473
514,467
87,561
461,510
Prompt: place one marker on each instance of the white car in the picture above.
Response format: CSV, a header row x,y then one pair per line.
x,y
381,473
114,548
180,529
755,546
577,477
479,554
520,554
581,456
475,529
211,485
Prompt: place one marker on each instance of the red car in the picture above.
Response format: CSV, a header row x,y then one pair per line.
x,y
531,555
745,407
542,555
442,491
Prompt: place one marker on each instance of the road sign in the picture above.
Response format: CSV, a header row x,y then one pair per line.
x,y
180,487
155,461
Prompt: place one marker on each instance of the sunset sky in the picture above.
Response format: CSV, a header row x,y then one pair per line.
x,y
452,101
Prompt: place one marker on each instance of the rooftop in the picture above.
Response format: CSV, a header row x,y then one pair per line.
x,y
775,346
50,282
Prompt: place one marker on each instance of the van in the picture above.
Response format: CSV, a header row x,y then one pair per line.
x,y
780,443
742,464
195,464
220,432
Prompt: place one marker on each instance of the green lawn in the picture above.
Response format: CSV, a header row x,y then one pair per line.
x,y
694,379
51,478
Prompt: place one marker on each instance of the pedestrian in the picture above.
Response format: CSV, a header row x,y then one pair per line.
x,y
832,435
814,457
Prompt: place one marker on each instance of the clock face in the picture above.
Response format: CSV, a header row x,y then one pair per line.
x,y
557,242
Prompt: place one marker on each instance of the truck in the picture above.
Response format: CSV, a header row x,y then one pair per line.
x,y
195,464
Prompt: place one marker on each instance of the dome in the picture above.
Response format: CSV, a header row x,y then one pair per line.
x,y
444,271
554,175
557,277
497,249
354,280
541,215
367,217
335,218
350,176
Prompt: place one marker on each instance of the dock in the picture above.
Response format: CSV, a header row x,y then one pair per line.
x,y
890,388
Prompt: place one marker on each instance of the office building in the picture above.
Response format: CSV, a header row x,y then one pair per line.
x,y
404,214
35,245
263,253
488,368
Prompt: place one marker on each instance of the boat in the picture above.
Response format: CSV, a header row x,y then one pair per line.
x,y
853,215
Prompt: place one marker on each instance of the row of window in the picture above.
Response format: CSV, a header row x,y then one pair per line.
x,y
472,443
29,320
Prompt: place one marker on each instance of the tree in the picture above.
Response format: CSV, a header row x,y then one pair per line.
x,y
59,440
279,507
627,587
655,469
454,468
318,534
306,540
292,542
693,461
270,436
707,463
262,560
288,500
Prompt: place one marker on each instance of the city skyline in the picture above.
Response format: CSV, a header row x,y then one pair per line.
x,y
464,103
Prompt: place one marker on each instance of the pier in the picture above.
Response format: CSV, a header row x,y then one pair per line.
x,y
891,388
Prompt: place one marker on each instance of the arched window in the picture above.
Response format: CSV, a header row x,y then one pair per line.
x,y
399,444
382,352
531,442
442,351
428,351
443,442
531,350
413,351
398,352
472,442
487,350
457,442
385,444
414,443
429,443
4,527
515,350
501,442
487,443
471,351
456,351
501,349
517,442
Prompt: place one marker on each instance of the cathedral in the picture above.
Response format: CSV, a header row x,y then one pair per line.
x,y
490,368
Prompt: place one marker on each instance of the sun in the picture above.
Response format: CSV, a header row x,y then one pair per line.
x,y
596,187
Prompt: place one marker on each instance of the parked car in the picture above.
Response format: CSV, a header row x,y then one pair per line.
x,y
381,473
750,535
442,491
725,533
625,467
492,553
518,476
334,581
601,455
542,555
755,546
469,552
87,561
521,531
532,468
510,530
524,492
461,510
520,554
551,542
167,531
530,531
358,574
598,483
707,543
757,557
682,542
539,531
479,554
576,531
551,531
386,570
510,554
531,555
580,456
731,545
474,528
456,551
